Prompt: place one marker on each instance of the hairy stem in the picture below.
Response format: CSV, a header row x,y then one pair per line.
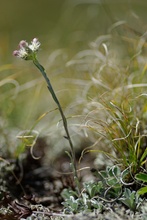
x,y
50,88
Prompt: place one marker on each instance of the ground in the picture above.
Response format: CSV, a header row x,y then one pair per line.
x,y
33,191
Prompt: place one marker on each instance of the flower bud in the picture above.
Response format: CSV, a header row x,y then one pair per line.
x,y
16,53
23,43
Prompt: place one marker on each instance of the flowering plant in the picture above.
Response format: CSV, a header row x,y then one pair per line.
x,y
28,51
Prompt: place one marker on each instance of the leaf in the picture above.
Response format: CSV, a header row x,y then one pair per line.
x,y
130,199
141,177
142,190
143,155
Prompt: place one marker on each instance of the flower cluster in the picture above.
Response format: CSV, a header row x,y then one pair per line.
x,y
27,51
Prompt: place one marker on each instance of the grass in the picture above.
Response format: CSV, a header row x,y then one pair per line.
x,y
109,110
115,122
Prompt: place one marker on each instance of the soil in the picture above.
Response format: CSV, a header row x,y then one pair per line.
x,y
28,185
33,191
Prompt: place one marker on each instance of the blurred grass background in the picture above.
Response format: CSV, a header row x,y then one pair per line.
x,y
64,28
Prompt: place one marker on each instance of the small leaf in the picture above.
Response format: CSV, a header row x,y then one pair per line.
x,y
142,190
143,155
141,177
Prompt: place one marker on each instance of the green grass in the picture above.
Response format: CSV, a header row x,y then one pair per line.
x,y
115,100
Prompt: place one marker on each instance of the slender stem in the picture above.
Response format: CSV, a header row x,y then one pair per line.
x,y
50,88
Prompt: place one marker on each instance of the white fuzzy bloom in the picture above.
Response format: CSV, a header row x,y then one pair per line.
x,y
23,53
35,44
27,51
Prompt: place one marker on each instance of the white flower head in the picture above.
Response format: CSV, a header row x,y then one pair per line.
x,y
27,51
21,53
35,44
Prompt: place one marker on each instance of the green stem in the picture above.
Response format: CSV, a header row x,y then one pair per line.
x,y
50,88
